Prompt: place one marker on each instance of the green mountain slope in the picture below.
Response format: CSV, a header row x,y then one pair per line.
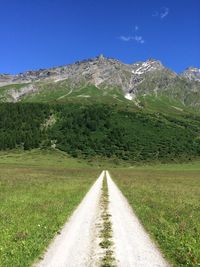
x,y
99,130
102,107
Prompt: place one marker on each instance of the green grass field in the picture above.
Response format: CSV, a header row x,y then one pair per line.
x,y
39,158
38,192
39,189
166,198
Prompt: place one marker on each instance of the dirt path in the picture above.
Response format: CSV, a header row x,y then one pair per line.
x,y
65,95
132,245
81,239
74,247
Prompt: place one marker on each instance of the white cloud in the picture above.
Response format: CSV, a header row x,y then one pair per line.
x,y
162,13
137,38
125,38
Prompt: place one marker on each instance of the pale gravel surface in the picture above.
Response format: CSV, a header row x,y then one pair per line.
x,y
74,247
78,243
132,245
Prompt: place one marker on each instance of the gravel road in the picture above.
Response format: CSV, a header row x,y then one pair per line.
x,y
74,247
132,245
78,243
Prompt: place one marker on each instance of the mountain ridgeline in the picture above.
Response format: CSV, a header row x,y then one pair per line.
x,y
102,107
100,78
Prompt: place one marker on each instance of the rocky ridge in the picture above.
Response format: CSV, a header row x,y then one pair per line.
x,y
135,79
192,73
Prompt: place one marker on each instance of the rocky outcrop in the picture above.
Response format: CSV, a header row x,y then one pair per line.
x,y
99,70
17,94
140,78
5,79
193,74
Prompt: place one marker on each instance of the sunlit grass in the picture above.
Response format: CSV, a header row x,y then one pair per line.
x,y
167,201
35,202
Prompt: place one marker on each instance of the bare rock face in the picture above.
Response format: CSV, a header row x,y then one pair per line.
x,y
137,79
105,72
17,94
193,74
98,71
5,79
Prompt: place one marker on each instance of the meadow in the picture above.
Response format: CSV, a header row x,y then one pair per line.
x,y
166,198
38,192
39,189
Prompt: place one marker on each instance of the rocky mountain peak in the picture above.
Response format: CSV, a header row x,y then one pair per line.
x,y
143,77
100,57
140,68
192,73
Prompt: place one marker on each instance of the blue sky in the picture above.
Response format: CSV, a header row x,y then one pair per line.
x,y
44,33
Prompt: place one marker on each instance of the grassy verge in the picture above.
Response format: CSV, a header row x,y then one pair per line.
x,y
106,230
37,197
167,201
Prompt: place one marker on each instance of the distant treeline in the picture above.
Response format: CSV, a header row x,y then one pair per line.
x,y
99,130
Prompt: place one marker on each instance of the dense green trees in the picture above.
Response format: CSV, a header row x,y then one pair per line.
x,y
99,130
20,125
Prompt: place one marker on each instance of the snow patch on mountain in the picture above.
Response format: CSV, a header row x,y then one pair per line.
x,y
193,74
144,67
128,96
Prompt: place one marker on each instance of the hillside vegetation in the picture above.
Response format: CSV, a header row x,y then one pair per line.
x,y
100,130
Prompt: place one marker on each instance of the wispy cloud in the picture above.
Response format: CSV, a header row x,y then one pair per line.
x,y
137,38
125,38
162,13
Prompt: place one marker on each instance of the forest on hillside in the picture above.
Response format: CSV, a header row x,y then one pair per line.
x,y
99,130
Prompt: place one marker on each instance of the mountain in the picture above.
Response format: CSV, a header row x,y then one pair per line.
x,y
102,107
103,79
193,74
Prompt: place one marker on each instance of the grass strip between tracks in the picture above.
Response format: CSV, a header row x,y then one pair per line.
x,y
106,231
